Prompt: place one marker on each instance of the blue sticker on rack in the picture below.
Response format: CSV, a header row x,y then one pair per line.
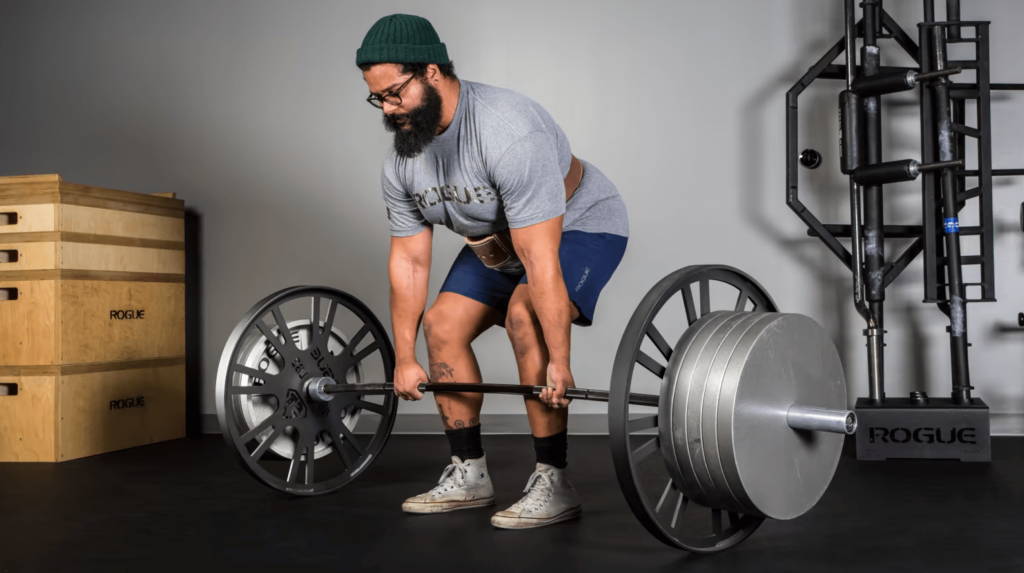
x,y
952,225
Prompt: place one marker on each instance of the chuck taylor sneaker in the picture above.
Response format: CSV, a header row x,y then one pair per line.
x,y
549,498
463,485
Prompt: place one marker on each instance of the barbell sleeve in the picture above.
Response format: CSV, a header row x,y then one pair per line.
x,y
821,419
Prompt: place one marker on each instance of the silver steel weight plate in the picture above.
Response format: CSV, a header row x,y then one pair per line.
x,y
728,389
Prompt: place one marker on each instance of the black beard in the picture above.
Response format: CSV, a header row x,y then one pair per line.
x,y
422,124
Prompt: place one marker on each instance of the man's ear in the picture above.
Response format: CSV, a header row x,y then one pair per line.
x,y
433,73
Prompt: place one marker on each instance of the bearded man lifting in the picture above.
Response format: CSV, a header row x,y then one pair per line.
x,y
544,231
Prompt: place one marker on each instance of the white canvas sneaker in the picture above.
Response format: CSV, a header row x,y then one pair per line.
x,y
464,484
549,498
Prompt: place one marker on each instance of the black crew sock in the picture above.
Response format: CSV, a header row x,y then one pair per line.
x,y
465,442
552,450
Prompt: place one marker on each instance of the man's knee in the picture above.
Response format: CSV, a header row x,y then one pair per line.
x,y
439,329
521,325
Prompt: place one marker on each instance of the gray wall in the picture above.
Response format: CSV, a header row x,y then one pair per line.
x,y
252,112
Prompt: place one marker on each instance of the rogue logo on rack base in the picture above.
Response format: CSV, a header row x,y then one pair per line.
x,y
922,435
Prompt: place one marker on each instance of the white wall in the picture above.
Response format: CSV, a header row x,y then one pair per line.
x,y
253,112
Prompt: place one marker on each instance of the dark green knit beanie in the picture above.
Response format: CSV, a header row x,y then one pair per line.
x,y
402,39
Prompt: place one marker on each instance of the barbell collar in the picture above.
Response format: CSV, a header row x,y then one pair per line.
x,y
822,419
317,391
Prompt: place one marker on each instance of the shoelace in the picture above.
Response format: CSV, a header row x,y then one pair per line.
x,y
453,473
536,497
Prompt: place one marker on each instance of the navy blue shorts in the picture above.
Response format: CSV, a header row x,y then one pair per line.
x,y
588,261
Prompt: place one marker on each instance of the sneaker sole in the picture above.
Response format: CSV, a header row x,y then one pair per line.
x,y
445,506
527,523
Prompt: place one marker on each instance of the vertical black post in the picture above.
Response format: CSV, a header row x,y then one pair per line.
x,y
857,243
931,215
856,126
984,111
953,15
954,271
874,239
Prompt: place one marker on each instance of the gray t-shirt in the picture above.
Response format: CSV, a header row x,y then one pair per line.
x,y
501,163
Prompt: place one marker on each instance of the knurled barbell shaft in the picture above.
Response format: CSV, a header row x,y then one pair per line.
x,y
822,419
321,391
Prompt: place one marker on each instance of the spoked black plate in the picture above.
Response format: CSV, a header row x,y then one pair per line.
x,y
676,302
283,438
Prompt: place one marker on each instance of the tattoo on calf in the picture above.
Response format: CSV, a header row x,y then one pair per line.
x,y
439,371
456,424
444,419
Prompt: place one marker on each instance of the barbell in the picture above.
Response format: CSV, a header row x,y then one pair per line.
x,y
745,422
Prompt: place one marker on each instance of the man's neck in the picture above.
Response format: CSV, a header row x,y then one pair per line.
x,y
449,90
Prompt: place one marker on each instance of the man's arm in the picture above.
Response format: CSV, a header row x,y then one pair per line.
x,y
409,273
537,246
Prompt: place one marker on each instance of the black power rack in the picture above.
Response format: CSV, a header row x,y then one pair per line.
x,y
916,426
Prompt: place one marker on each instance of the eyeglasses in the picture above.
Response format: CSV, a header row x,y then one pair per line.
x,y
391,97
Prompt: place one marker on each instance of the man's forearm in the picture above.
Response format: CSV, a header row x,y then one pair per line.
x,y
551,302
408,299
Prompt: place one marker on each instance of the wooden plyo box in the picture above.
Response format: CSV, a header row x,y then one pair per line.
x,y
92,294
61,321
59,413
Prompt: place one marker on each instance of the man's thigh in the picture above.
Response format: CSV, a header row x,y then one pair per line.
x,y
459,318
472,280
522,304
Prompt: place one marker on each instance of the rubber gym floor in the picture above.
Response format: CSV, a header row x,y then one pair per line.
x,y
187,505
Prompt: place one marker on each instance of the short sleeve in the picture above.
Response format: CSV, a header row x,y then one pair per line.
x,y
404,217
529,181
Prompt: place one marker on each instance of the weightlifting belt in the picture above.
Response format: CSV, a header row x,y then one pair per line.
x,y
497,252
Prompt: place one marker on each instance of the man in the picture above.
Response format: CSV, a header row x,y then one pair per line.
x,y
544,230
